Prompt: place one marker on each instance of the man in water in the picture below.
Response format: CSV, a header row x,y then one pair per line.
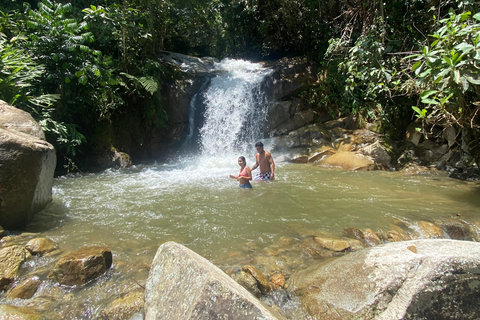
x,y
265,161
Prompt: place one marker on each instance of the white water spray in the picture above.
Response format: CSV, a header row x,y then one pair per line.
x,y
235,108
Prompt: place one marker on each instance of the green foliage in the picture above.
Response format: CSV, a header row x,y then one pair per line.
x,y
448,72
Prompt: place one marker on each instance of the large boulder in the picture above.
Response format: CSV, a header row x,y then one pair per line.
x,y
27,165
82,266
419,279
184,285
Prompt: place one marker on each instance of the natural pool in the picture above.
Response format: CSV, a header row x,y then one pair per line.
x,y
193,202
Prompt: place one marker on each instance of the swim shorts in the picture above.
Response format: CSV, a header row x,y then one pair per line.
x,y
262,176
246,185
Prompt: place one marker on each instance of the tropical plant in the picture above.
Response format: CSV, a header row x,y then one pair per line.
x,y
448,74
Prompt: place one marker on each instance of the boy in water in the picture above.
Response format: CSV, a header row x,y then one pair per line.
x,y
265,161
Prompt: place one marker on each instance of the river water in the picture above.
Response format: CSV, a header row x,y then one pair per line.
x,y
192,201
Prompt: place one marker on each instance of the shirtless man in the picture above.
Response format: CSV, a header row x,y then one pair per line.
x,y
265,161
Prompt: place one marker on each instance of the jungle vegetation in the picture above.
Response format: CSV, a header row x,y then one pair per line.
x,y
79,66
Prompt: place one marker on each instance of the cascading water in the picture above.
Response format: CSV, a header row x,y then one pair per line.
x,y
235,108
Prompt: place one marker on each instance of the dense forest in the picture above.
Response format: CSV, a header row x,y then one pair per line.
x,y
78,65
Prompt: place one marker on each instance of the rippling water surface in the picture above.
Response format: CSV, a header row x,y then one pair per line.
x,y
193,202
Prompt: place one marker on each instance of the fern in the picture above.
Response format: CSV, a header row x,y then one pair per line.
x,y
149,84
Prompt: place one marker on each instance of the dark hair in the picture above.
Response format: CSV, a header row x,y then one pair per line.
x,y
259,144
243,159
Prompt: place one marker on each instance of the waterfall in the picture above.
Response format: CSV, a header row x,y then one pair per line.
x,y
235,108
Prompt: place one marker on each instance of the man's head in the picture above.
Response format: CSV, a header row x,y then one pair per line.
x,y
259,146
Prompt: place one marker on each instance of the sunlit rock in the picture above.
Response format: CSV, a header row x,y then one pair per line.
x,y
419,279
25,289
312,248
40,246
337,245
346,160
8,312
371,237
125,306
27,165
277,281
262,281
184,285
429,230
11,259
82,266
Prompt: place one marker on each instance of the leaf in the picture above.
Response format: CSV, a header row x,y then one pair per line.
x,y
430,101
427,93
464,47
472,80
416,65
476,16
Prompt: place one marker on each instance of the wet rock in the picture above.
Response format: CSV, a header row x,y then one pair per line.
x,y
25,289
11,259
40,246
336,245
125,307
419,279
320,154
27,165
246,280
184,285
368,236
377,152
312,248
413,168
429,230
347,161
262,281
2,232
277,281
300,158
8,312
82,266
457,230
355,244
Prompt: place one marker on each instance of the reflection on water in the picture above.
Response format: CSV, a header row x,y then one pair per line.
x,y
133,211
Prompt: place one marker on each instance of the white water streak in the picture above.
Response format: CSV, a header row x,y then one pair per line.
x,y
235,108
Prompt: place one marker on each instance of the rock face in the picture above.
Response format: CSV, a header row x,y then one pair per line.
x,y
27,165
184,285
420,279
82,266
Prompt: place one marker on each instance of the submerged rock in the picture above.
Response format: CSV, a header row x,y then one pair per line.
x,y
419,279
11,259
8,312
184,285
124,307
82,266
25,289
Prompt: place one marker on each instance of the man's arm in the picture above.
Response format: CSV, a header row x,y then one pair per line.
x,y
272,166
255,166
